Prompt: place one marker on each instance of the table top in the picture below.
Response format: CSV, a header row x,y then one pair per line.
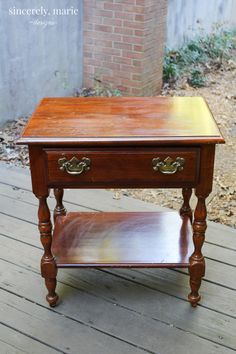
x,y
122,120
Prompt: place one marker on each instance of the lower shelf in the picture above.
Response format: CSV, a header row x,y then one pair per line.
x,y
130,239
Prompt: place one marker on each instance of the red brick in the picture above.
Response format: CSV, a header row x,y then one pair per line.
x,y
90,69
88,34
105,71
137,63
140,18
88,48
95,20
131,68
122,74
130,83
136,91
130,2
148,17
88,82
103,28
140,2
88,54
132,55
102,56
103,35
88,12
138,48
121,60
97,4
109,79
135,9
137,77
124,15
104,13
133,40
112,6
133,24
123,30
103,43
112,22
148,32
139,33
106,50
88,40
114,66
123,88
121,45
93,62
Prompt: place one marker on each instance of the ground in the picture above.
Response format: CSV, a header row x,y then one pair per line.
x,y
221,96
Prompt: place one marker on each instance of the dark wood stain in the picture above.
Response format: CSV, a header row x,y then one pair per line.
x,y
132,239
118,120
121,136
111,165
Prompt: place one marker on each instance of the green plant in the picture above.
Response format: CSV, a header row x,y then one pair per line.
x,y
195,58
196,78
170,69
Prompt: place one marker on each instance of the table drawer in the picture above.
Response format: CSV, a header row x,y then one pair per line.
x,y
133,167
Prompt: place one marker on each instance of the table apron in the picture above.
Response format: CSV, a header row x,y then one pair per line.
x,y
120,168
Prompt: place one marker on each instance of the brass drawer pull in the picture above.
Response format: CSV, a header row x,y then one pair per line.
x,y
169,166
74,166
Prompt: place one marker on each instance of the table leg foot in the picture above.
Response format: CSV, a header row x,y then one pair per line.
x,y
196,272
194,301
52,297
194,296
49,273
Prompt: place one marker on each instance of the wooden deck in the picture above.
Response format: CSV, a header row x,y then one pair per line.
x,y
107,311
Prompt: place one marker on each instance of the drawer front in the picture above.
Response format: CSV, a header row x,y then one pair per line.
x,y
130,167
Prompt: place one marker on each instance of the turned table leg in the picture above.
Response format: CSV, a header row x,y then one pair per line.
x,y
186,209
48,264
197,262
59,208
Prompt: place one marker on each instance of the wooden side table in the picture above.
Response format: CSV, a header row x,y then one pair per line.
x,y
151,142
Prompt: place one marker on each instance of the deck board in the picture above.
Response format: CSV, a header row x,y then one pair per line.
x,y
13,341
107,311
64,334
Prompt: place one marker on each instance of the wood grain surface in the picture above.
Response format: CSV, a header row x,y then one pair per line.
x,y
132,239
122,167
122,120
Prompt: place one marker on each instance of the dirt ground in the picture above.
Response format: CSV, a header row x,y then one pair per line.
x,y
221,96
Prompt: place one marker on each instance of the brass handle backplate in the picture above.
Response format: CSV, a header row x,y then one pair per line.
x,y
168,166
74,166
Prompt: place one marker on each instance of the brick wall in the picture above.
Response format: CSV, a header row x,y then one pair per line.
x,y
123,44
